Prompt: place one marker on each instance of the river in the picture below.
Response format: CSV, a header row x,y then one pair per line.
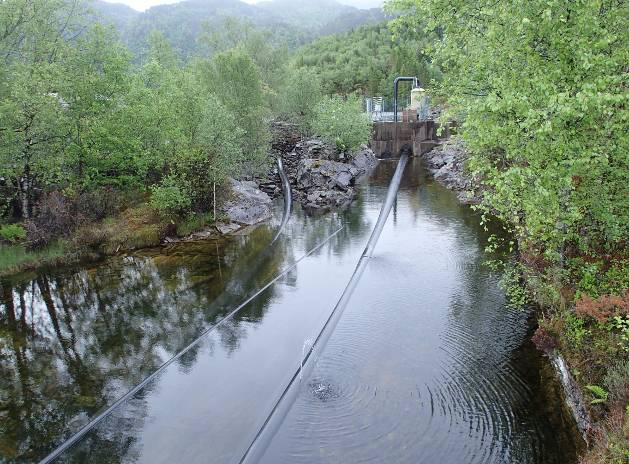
x,y
428,364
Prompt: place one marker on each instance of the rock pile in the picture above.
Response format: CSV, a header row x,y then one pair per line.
x,y
316,148
324,184
320,176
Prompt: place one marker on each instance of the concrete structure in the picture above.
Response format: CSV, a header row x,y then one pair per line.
x,y
389,138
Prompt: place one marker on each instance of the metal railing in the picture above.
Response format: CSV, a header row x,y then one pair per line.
x,y
380,109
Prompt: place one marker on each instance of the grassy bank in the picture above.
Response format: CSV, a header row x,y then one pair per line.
x,y
17,257
134,228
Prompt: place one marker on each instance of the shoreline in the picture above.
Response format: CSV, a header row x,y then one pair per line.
x,y
446,165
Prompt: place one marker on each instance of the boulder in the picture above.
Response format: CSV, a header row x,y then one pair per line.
x,y
249,205
364,160
225,229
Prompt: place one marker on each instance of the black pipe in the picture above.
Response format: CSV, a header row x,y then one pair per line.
x,y
269,428
288,198
395,88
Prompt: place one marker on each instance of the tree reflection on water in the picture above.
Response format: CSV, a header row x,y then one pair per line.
x,y
74,341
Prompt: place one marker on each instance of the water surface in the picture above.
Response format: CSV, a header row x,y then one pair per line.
x,y
426,365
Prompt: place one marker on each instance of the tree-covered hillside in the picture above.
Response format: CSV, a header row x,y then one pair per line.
x,y
116,14
366,60
291,22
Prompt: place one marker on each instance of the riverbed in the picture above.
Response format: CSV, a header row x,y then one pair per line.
x,y
427,364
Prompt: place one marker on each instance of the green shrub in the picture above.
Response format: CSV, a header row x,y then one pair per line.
x,y
12,233
575,330
235,80
171,197
300,97
342,122
620,324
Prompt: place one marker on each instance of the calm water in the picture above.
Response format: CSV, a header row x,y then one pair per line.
x,y
426,365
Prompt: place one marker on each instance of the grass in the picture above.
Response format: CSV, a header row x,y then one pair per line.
x,y
15,258
194,223
135,228
138,227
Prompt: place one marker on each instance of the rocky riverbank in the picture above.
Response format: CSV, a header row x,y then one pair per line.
x,y
321,179
446,162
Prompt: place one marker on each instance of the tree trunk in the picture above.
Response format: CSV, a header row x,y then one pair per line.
x,y
24,193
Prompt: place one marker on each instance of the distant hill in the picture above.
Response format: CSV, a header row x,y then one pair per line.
x,y
119,15
314,14
295,22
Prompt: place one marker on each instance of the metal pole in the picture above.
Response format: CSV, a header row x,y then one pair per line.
x,y
395,89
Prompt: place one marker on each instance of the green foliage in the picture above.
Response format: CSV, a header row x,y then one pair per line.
x,y
588,283
366,60
599,393
269,54
542,89
12,233
511,283
215,155
575,330
342,122
620,324
32,117
235,79
171,197
77,115
300,97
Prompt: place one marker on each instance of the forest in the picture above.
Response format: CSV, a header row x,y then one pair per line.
x,y
367,60
100,152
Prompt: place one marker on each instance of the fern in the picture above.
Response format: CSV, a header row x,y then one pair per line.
x,y
600,394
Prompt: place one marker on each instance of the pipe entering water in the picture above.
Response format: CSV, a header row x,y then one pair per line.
x,y
288,199
266,433
225,296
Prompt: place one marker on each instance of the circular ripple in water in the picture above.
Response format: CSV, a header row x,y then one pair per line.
x,y
427,365
446,393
